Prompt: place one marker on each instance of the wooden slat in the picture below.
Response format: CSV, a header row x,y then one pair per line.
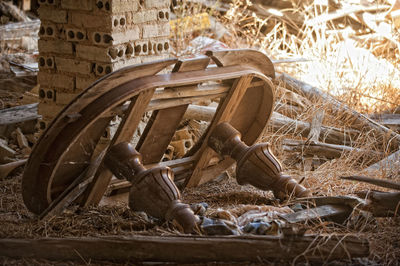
x,y
224,114
177,102
163,123
125,132
190,91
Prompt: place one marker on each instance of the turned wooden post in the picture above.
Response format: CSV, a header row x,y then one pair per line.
x,y
153,190
256,165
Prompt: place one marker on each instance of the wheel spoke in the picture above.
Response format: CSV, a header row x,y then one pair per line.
x,y
125,132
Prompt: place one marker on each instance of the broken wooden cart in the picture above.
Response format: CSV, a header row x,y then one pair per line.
x,y
71,163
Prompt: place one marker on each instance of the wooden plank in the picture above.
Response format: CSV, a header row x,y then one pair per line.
x,y
177,102
322,149
224,114
244,57
163,123
190,91
125,132
188,249
199,90
24,117
374,181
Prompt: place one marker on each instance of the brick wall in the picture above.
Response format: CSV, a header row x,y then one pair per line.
x,y
83,40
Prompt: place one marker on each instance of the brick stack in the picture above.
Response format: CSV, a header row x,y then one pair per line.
x,y
82,40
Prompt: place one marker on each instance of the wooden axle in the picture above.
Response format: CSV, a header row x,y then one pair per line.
x,y
153,190
256,165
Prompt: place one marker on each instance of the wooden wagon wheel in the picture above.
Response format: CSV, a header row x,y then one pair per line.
x,y
68,151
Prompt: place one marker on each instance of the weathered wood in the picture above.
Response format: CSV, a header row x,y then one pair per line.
x,y
73,139
178,166
381,204
248,57
315,128
288,110
388,120
344,12
322,149
280,122
5,169
174,102
5,152
125,132
74,190
313,136
8,9
335,213
256,165
190,91
390,166
24,117
15,31
65,149
202,113
374,181
186,249
153,190
163,123
358,120
224,113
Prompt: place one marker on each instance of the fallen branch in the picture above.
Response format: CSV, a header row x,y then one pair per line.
x,y
187,249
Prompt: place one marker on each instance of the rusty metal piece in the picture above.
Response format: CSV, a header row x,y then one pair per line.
x,y
153,190
256,165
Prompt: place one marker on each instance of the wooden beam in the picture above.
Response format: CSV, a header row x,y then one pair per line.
x,y
188,249
374,181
